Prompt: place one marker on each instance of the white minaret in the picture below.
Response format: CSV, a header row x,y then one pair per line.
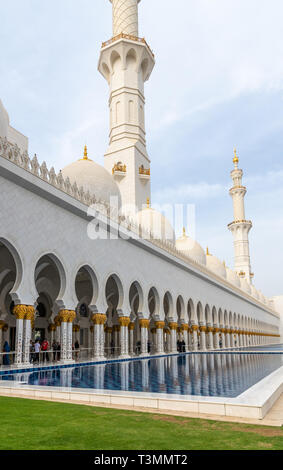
x,y
126,62
240,227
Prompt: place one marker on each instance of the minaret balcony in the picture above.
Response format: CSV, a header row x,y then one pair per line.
x,y
244,223
144,173
129,37
119,170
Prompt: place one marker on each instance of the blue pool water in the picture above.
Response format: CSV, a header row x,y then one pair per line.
x,y
216,375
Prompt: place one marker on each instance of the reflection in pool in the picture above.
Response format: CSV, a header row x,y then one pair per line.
x,y
217,375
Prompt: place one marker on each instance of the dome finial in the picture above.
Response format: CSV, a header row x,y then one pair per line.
x,y
207,252
235,159
184,232
148,203
85,153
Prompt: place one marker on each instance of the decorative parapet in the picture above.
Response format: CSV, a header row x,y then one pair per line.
x,y
119,169
13,154
235,222
130,38
144,173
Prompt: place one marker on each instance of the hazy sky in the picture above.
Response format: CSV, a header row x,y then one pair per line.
x,y
217,84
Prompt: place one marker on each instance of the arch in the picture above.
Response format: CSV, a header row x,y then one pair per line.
x,y
16,261
191,312
131,59
86,285
200,313
153,301
115,60
207,315
114,292
168,305
214,316
180,308
51,268
145,69
136,297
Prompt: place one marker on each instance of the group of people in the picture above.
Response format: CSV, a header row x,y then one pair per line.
x,y
181,346
40,351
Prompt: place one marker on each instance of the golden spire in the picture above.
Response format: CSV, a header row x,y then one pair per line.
x,y
148,203
184,232
85,153
235,159
207,252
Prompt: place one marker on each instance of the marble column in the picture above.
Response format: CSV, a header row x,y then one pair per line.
x,y
195,330
159,337
190,338
116,331
186,336
173,337
99,320
203,330
131,329
144,325
66,318
227,337
57,322
19,312
210,337
29,318
124,336
216,337
108,337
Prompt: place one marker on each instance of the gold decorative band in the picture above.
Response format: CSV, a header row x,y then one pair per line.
x,y
52,327
24,312
67,316
159,325
203,329
195,327
144,323
131,326
173,325
99,319
2,324
124,321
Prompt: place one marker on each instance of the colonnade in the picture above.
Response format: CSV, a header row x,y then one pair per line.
x,y
123,340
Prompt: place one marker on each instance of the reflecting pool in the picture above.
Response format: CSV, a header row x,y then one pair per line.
x,y
216,375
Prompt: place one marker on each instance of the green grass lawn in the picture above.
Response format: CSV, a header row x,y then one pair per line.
x,y
32,425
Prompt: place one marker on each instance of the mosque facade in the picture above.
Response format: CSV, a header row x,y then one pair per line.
x,y
105,268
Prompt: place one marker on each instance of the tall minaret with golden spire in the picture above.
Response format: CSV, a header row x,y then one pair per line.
x,y
240,227
126,62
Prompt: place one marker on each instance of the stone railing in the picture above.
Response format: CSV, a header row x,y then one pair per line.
x,y
13,154
126,36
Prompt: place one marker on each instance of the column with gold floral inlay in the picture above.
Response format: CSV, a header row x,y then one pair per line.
x,y
173,336
202,330
144,326
209,331
227,337
124,336
131,329
216,337
108,337
64,317
19,312
28,321
195,330
57,323
52,331
71,318
185,328
159,325
99,320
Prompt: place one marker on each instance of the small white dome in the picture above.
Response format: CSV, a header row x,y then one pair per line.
x,y
191,248
4,121
155,222
215,265
245,286
93,178
233,277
